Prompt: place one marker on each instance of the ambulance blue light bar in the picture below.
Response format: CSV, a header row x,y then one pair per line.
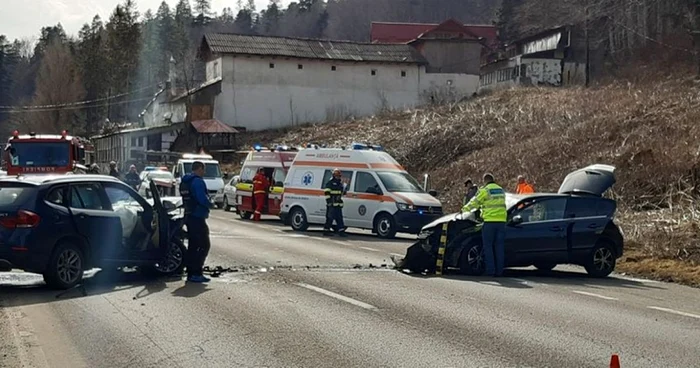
x,y
150,168
362,146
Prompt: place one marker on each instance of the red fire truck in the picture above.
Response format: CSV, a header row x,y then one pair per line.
x,y
45,153
275,161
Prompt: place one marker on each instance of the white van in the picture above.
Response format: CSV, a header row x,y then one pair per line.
x,y
379,194
212,175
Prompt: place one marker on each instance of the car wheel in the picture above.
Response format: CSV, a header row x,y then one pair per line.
x,y
385,226
545,266
298,219
472,260
245,215
173,264
227,207
65,268
602,260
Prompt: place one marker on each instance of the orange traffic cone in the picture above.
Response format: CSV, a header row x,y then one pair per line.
x,y
615,361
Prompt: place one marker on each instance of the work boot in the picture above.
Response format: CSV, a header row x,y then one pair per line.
x,y
327,232
198,279
342,234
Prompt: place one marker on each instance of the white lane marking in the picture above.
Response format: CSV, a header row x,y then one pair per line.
x,y
370,249
675,312
337,296
594,295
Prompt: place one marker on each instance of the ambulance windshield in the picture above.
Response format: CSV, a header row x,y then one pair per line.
x,y
399,182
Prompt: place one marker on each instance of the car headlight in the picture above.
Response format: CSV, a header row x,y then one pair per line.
x,y
405,206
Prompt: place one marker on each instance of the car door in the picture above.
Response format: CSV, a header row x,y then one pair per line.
x,y
95,221
588,217
276,190
61,220
540,236
364,199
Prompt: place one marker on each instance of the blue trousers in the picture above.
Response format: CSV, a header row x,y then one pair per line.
x,y
493,235
334,213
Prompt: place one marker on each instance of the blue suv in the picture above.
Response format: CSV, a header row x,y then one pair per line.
x,y
59,226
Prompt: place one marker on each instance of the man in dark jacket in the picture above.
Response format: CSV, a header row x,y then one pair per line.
x,y
113,169
471,190
132,178
334,205
193,190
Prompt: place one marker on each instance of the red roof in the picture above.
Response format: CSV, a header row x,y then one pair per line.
x,y
212,126
387,32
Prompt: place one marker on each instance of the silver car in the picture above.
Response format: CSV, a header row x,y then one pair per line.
x,y
230,193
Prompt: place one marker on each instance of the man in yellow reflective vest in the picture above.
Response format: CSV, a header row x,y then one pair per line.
x,y
491,200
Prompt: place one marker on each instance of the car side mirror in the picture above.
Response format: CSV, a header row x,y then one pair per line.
x,y
169,205
433,192
516,220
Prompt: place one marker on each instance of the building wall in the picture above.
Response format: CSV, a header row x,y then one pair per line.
x,y
446,56
502,74
543,72
214,68
447,87
257,95
156,113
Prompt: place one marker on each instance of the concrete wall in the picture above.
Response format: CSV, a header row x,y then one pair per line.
x,y
446,56
256,96
444,87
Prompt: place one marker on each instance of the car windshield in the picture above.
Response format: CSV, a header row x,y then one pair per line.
x,y
399,182
211,169
165,175
40,154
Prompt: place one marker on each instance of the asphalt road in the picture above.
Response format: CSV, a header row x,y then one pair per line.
x,y
301,300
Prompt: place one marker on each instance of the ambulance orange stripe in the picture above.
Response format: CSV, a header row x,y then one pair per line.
x,y
321,193
386,166
332,164
408,201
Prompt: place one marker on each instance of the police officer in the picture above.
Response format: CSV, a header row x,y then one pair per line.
x,y
491,200
334,205
193,190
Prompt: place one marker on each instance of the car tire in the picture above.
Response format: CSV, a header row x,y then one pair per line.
x,y
601,260
545,266
66,266
298,219
245,215
227,207
385,226
471,260
174,262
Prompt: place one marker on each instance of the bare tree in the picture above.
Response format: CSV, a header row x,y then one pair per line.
x,y
58,82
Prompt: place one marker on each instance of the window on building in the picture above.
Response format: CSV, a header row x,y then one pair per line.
x,y
133,142
272,65
216,69
403,73
333,68
140,141
300,67
374,71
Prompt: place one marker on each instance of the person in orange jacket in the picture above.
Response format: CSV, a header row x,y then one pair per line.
x,y
260,187
523,186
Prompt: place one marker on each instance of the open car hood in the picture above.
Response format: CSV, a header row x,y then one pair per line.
x,y
594,179
459,216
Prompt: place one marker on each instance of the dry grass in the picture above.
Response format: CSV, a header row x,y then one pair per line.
x,y
649,130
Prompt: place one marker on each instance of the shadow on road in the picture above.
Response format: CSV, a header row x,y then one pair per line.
x,y
355,235
525,278
190,290
31,289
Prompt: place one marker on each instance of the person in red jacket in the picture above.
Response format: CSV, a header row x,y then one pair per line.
x,y
260,187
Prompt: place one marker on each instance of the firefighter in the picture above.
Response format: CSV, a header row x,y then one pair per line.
x,y
491,200
334,205
261,185
523,186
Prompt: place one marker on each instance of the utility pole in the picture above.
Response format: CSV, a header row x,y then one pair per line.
x,y
588,47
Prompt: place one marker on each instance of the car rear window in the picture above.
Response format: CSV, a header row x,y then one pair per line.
x,y
14,193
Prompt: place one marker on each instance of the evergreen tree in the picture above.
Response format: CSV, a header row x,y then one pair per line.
x,y
92,62
202,9
123,46
270,19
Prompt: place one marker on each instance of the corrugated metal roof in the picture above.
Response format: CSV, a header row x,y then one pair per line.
x,y
212,126
389,32
225,43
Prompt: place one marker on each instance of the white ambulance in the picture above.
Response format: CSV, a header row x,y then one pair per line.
x,y
379,194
